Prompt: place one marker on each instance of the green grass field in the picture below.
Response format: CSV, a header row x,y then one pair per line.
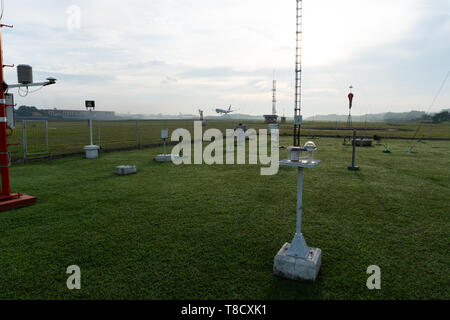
x,y
71,137
211,232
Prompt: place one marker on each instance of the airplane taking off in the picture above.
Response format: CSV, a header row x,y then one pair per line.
x,y
225,112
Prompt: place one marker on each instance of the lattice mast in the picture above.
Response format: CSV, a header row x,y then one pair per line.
x,y
298,73
274,97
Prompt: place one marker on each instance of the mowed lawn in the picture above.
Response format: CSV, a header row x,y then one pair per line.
x,y
211,232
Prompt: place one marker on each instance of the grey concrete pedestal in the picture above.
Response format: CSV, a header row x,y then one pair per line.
x,y
168,157
297,268
163,158
91,151
126,170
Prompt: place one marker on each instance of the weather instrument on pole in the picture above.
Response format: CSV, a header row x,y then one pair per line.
x,y
296,260
24,74
164,157
9,200
25,78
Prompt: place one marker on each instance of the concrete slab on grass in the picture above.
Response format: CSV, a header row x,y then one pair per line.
x,y
125,170
163,158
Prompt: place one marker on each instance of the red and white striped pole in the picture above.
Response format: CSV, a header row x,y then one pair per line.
x,y
4,156
9,200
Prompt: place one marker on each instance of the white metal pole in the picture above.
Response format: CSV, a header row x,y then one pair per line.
x,y
46,135
99,133
90,127
137,134
299,200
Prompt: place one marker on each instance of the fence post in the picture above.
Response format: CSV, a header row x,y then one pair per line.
x,y
431,130
98,133
24,139
46,136
137,134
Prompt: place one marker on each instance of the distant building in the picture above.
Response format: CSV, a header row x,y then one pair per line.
x,y
78,114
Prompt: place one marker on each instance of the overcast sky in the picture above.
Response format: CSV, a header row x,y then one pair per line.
x,y
171,57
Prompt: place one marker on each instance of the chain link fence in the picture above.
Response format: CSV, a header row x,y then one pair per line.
x,y
37,139
34,138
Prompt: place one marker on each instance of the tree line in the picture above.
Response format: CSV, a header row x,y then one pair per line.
x,y
438,117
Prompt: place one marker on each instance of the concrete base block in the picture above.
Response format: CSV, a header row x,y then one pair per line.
x,y
19,202
295,268
163,158
363,142
91,151
125,170
168,157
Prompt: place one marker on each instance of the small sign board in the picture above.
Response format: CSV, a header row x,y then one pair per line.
x,y
298,120
90,104
164,134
